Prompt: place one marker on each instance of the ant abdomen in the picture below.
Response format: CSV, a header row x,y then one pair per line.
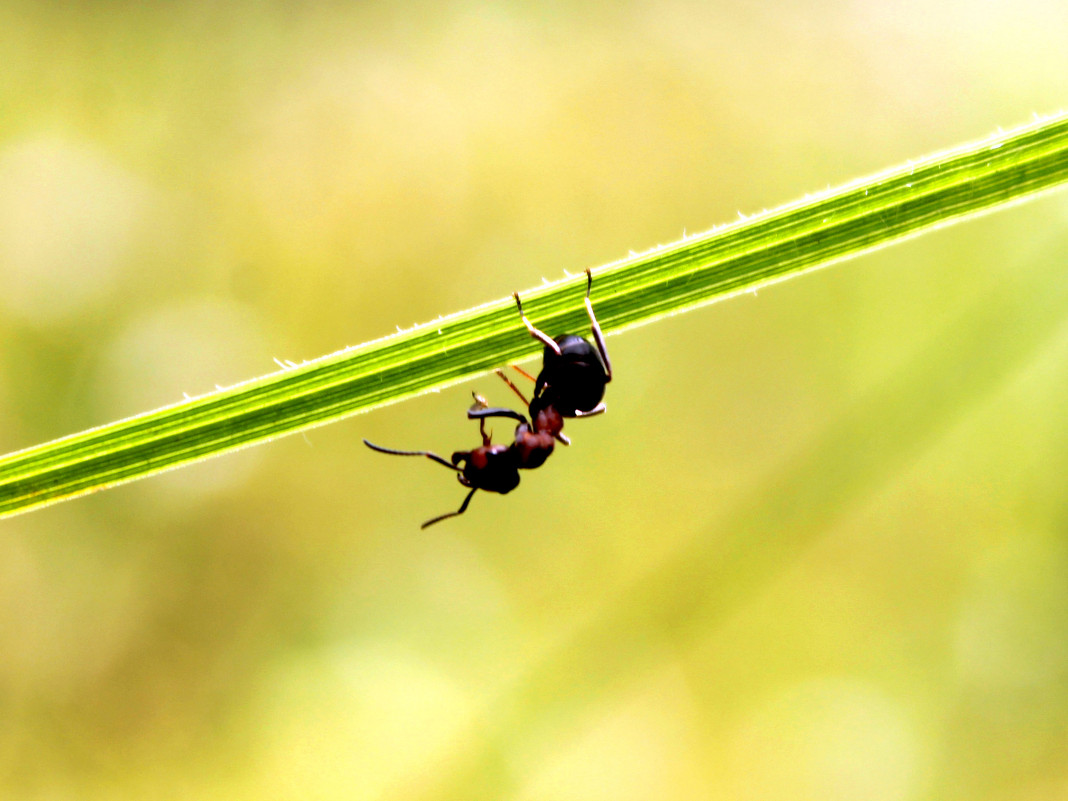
x,y
573,380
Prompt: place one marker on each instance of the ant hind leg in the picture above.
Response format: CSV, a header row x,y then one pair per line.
x,y
595,327
600,408
541,336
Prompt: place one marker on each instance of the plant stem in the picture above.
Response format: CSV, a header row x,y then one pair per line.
x,y
819,230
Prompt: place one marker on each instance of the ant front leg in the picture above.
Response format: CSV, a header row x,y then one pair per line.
x,y
487,439
595,328
495,411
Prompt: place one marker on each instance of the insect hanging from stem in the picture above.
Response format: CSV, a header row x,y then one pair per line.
x,y
571,383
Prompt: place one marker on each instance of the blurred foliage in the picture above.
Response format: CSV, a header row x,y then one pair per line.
x,y
817,548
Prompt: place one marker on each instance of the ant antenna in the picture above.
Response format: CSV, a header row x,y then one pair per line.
x,y
431,456
458,512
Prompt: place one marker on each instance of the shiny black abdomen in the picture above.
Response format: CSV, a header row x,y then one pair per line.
x,y
575,379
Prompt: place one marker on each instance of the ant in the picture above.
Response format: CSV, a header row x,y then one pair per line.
x,y
571,384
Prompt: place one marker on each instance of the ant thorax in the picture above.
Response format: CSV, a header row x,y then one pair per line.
x,y
532,447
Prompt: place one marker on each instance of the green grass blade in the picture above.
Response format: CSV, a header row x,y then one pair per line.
x,y
814,232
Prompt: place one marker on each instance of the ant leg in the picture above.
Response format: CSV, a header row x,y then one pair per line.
x,y
460,511
523,373
562,438
487,439
495,411
515,389
600,408
598,337
542,337
431,456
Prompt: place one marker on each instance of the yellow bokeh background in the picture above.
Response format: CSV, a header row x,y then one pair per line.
x,y
817,549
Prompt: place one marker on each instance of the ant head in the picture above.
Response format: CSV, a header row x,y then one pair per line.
x,y
490,467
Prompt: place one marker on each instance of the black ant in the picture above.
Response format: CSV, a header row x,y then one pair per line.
x,y
571,384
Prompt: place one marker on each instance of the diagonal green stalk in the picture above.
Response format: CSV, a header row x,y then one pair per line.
x,y
819,230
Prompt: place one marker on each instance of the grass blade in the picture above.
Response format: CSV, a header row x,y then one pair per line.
x,y
819,230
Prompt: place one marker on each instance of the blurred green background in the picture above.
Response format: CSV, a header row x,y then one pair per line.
x,y
816,550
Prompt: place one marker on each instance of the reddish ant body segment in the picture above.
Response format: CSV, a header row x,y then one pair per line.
x,y
571,384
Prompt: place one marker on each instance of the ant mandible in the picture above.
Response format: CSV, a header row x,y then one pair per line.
x,y
571,384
